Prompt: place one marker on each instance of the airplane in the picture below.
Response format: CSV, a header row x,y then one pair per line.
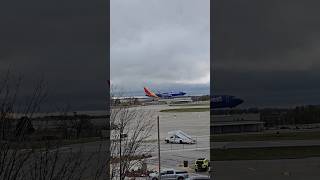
x,y
165,95
224,101
217,101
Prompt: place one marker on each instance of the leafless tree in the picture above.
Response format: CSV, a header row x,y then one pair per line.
x,y
133,126
75,126
19,160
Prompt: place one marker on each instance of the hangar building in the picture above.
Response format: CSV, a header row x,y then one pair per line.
x,y
236,123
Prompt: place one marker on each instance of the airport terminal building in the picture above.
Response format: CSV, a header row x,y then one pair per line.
x,y
236,123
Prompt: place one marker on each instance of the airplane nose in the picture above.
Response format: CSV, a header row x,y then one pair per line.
x,y
239,101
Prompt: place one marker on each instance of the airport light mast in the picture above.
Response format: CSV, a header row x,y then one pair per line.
x,y
159,163
121,136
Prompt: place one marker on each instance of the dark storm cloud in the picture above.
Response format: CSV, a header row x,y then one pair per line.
x,y
62,41
267,51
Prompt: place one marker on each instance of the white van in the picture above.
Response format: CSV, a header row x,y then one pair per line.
x,y
179,137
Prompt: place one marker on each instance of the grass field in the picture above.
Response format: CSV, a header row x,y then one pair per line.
x,y
265,153
268,136
186,110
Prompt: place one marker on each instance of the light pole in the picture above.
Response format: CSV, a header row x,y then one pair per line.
x,y
159,164
121,135
120,154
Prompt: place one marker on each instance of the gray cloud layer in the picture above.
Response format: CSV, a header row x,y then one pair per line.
x,y
157,43
265,51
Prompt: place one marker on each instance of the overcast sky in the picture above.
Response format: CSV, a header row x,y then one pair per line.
x,y
63,42
267,52
164,44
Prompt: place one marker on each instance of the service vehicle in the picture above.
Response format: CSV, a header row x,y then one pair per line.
x,y
170,174
179,137
201,164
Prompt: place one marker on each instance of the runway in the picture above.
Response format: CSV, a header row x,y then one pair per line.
x,y
197,125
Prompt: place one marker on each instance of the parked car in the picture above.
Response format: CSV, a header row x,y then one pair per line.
x,y
170,174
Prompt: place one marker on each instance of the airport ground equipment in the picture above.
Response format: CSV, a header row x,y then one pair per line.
x,y
201,164
179,137
170,174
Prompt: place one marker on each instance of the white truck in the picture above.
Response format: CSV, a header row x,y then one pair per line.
x,y
170,174
179,137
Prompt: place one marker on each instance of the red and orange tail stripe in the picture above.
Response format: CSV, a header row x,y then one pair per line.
x,y
150,93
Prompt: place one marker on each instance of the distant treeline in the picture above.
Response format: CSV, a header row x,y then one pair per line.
x,y
66,117
201,98
280,116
